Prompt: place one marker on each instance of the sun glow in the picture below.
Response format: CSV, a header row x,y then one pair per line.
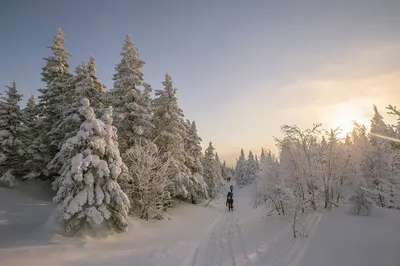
x,y
343,116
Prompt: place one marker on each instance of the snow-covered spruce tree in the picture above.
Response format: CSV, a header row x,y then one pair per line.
x,y
252,168
52,99
241,170
31,165
193,161
362,193
147,187
169,134
212,171
224,171
380,160
89,195
257,163
12,131
132,114
84,84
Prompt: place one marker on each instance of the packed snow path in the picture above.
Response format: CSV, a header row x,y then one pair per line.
x,y
198,235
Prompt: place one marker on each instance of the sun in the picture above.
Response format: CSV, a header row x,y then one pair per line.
x,y
345,124
343,116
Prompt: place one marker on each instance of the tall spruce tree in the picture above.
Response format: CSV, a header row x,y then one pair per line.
x,y
241,170
169,134
133,117
193,157
31,165
212,171
12,131
52,100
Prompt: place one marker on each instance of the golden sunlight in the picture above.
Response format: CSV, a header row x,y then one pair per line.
x,y
344,115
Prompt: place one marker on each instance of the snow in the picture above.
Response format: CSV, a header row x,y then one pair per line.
x,y
197,235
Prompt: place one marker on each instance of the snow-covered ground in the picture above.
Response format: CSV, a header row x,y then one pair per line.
x,y
198,235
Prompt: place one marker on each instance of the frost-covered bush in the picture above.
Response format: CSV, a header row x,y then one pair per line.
x,y
362,203
147,187
89,195
7,180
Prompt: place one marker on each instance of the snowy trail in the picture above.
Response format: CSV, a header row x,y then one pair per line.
x,y
197,236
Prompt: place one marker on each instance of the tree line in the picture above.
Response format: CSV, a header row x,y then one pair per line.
x,y
107,153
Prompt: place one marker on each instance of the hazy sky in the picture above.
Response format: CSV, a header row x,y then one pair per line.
x,y
242,68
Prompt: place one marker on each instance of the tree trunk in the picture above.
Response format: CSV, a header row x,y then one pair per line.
x,y
294,225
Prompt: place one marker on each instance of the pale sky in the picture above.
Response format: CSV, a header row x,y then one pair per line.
x,y
242,68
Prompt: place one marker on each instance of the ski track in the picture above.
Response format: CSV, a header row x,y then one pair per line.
x,y
215,247
222,243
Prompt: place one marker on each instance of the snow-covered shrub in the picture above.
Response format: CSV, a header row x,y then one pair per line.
x,y
362,202
89,195
7,180
147,186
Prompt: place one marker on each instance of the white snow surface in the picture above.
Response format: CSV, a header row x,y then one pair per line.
x,y
197,235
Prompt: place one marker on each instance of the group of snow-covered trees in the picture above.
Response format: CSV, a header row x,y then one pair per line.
x,y
316,168
246,170
107,153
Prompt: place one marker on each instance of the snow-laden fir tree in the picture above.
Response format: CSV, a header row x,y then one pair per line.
x,y
32,162
12,131
170,131
147,187
252,168
224,171
193,161
52,100
380,158
89,195
132,113
362,192
84,84
212,171
241,170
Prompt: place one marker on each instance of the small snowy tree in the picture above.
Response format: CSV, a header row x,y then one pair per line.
x,y
89,195
224,171
31,164
241,170
269,184
212,171
252,168
147,187
12,131
301,146
193,161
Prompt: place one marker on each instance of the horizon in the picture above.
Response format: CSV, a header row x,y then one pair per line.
x,y
253,66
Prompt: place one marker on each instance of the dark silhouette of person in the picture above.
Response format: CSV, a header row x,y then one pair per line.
x,y
229,201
